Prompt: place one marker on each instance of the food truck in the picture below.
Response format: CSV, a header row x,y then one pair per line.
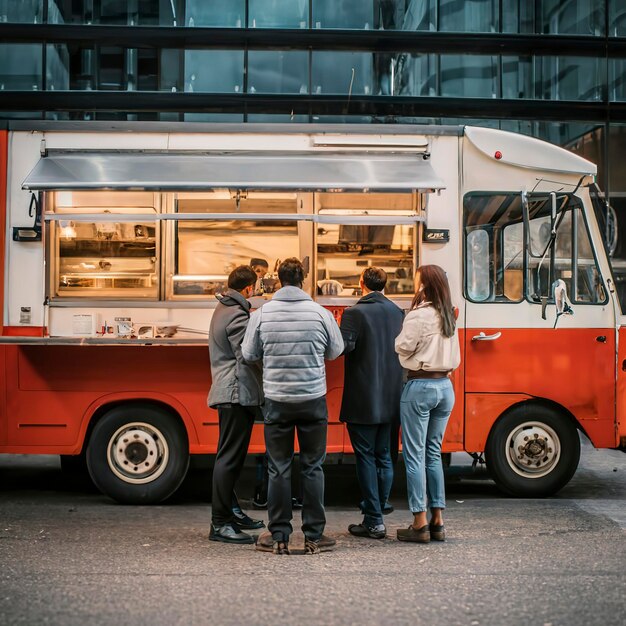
x,y
117,236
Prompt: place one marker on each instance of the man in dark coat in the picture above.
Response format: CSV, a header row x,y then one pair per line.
x,y
237,394
371,394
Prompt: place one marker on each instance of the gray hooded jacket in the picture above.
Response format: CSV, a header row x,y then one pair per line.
x,y
293,335
234,380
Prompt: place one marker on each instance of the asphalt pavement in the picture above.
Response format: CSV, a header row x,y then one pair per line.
x,y
68,555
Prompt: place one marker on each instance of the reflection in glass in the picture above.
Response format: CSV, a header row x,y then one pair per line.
x,y
569,78
276,71
278,13
20,66
477,265
344,13
207,251
57,67
468,16
416,75
345,250
224,13
554,17
108,259
22,11
216,71
517,77
469,76
342,72
617,85
617,18
233,201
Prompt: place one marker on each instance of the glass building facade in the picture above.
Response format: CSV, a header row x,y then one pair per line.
x,y
555,69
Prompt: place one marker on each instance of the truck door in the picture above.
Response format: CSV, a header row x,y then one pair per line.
x,y
530,372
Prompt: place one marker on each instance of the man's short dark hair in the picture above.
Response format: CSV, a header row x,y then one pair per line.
x,y
241,277
375,278
258,261
291,272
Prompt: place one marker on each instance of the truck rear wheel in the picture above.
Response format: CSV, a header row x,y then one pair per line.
x,y
138,454
532,451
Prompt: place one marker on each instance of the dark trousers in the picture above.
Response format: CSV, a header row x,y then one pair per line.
x,y
235,430
374,468
310,420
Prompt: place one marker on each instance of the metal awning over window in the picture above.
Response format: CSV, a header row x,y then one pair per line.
x,y
322,171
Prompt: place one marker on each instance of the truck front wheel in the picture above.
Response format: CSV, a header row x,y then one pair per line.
x,y
532,451
138,454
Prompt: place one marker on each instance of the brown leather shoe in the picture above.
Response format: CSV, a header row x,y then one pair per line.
x,y
323,544
421,535
265,543
437,532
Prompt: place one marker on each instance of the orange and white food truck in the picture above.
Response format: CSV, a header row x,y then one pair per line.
x,y
117,237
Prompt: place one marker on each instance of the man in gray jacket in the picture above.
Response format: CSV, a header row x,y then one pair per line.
x,y
293,335
237,395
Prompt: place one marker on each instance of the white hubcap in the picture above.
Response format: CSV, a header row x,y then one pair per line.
x,y
137,453
533,449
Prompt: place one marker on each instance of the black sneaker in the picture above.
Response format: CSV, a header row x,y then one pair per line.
x,y
229,533
373,532
245,522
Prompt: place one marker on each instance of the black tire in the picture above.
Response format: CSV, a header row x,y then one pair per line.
x,y
138,454
532,451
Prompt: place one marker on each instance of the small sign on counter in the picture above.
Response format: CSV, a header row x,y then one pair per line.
x,y
84,325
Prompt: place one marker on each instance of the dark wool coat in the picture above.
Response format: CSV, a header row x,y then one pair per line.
x,y
373,375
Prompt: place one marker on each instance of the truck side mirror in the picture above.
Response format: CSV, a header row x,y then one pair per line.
x,y
563,305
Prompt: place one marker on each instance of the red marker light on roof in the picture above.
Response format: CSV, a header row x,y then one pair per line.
x,y
498,155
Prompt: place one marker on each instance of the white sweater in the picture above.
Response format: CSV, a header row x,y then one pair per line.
x,y
421,344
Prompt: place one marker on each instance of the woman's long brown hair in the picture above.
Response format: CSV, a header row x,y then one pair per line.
x,y
436,290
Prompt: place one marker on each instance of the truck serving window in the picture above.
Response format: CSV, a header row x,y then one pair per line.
x,y
104,248
234,233
511,253
347,244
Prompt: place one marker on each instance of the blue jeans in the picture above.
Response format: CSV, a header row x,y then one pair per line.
x,y
425,407
373,467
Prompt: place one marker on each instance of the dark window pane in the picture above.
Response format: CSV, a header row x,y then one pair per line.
x,y
554,17
24,11
278,72
518,16
468,16
278,13
415,75
57,67
225,13
468,76
342,72
111,68
377,14
171,68
213,117
343,14
617,85
617,18
517,78
20,66
569,17
217,71
569,78
119,12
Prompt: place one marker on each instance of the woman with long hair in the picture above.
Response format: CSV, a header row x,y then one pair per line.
x,y
428,347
